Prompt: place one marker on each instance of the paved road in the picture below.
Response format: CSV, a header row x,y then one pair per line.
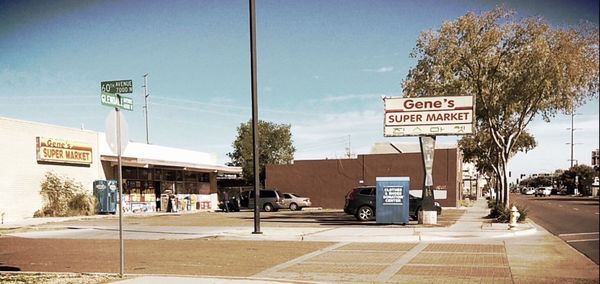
x,y
573,219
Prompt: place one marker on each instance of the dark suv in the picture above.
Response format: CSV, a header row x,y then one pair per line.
x,y
361,203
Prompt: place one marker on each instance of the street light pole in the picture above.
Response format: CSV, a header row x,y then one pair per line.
x,y
146,105
255,155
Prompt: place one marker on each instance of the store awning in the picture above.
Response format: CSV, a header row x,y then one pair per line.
x,y
147,156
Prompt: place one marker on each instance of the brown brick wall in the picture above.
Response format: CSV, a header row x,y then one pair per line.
x,y
326,182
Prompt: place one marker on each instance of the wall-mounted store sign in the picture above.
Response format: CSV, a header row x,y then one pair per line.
x,y
63,151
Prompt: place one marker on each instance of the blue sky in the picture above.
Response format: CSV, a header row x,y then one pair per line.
x,y
322,67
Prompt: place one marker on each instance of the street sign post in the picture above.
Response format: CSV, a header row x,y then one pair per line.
x,y
110,95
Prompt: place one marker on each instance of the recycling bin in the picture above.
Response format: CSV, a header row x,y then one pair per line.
x,y
392,200
113,196
100,192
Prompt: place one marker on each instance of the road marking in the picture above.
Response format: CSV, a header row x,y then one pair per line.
x,y
560,205
585,240
578,234
575,208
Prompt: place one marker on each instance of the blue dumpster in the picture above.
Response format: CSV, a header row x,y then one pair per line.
x,y
392,198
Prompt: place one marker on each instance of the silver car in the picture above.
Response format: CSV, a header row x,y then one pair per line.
x,y
295,202
270,200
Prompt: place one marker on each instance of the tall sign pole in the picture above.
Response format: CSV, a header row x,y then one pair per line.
x,y
429,214
111,96
120,168
255,145
428,117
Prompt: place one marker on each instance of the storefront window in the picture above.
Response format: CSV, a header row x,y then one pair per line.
x,y
156,174
179,175
167,185
191,187
130,173
203,188
203,177
145,174
168,175
191,176
179,188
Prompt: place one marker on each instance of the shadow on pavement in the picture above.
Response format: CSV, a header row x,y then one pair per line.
x,y
9,268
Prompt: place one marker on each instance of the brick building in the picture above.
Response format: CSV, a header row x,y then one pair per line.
x,y
326,182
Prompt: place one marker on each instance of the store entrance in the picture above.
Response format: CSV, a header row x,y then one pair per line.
x,y
157,194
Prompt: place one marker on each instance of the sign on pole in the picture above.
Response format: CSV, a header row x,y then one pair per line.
x,y
117,87
116,100
428,116
110,94
111,131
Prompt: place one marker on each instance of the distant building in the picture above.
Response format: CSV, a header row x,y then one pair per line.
x,y
29,150
326,182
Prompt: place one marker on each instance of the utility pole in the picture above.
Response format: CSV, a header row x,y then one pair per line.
x,y
572,130
349,149
572,135
146,105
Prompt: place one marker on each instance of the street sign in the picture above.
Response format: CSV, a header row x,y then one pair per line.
x,y
113,100
428,116
117,87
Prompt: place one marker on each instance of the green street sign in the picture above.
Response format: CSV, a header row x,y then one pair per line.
x,y
114,100
117,87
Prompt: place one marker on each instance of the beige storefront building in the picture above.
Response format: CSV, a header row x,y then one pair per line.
x,y
29,150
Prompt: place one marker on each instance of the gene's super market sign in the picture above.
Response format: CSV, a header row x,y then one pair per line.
x,y
428,116
63,151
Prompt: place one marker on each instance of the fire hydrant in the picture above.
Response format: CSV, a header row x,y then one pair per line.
x,y
514,216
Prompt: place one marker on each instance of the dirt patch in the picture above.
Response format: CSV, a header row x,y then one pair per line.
x,y
188,257
56,278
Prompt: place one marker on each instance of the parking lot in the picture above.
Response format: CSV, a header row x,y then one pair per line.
x,y
283,218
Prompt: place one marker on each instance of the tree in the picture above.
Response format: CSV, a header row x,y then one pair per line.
x,y
275,148
585,176
515,69
480,149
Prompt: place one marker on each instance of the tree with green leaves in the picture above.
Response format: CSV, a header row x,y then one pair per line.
x,y
481,150
275,148
515,68
585,176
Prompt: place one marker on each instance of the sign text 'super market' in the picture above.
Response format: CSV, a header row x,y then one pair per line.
x,y
428,116
63,151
